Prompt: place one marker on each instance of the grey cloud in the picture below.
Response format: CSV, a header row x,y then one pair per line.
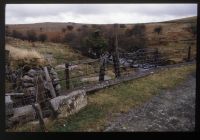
x,y
33,10
22,11
163,9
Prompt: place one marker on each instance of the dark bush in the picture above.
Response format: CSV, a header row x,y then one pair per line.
x,y
84,48
96,43
158,29
70,27
17,34
128,32
24,37
85,26
122,26
31,35
78,29
56,39
69,38
63,30
42,37
94,26
130,44
133,39
139,30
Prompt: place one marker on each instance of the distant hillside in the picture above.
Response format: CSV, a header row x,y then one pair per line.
x,y
187,19
152,34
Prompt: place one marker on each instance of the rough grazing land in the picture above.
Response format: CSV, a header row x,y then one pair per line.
x,y
172,110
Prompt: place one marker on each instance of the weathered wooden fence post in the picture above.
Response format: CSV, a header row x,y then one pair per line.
x,y
102,69
116,54
67,75
116,65
49,82
41,99
156,58
54,113
39,115
189,53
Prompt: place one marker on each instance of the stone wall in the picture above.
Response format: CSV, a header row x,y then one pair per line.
x,y
20,115
29,83
66,105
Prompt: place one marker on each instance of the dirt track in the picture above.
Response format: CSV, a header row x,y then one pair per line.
x,y
171,110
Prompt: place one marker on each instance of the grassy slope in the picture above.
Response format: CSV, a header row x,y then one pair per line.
x,y
24,52
55,50
172,36
105,104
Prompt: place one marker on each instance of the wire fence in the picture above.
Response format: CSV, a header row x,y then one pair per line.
x,y
31,86
79,73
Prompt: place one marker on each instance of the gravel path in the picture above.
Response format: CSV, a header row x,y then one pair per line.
x,y
172,110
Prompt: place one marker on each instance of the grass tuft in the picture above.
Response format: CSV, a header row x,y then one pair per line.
x,y
20,57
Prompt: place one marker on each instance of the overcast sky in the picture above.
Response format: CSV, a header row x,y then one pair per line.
x,y
97,13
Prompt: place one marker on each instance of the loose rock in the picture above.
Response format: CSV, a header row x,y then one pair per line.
x,y
27,79
32,72
58,87
9,106
31,90
26,85
69,104
21,115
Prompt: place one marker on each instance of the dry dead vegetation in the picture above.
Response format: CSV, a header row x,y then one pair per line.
x,y
20,57
39,53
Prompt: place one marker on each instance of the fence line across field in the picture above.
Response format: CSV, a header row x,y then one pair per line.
x,y
151,56
94,60
150,61
89,73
